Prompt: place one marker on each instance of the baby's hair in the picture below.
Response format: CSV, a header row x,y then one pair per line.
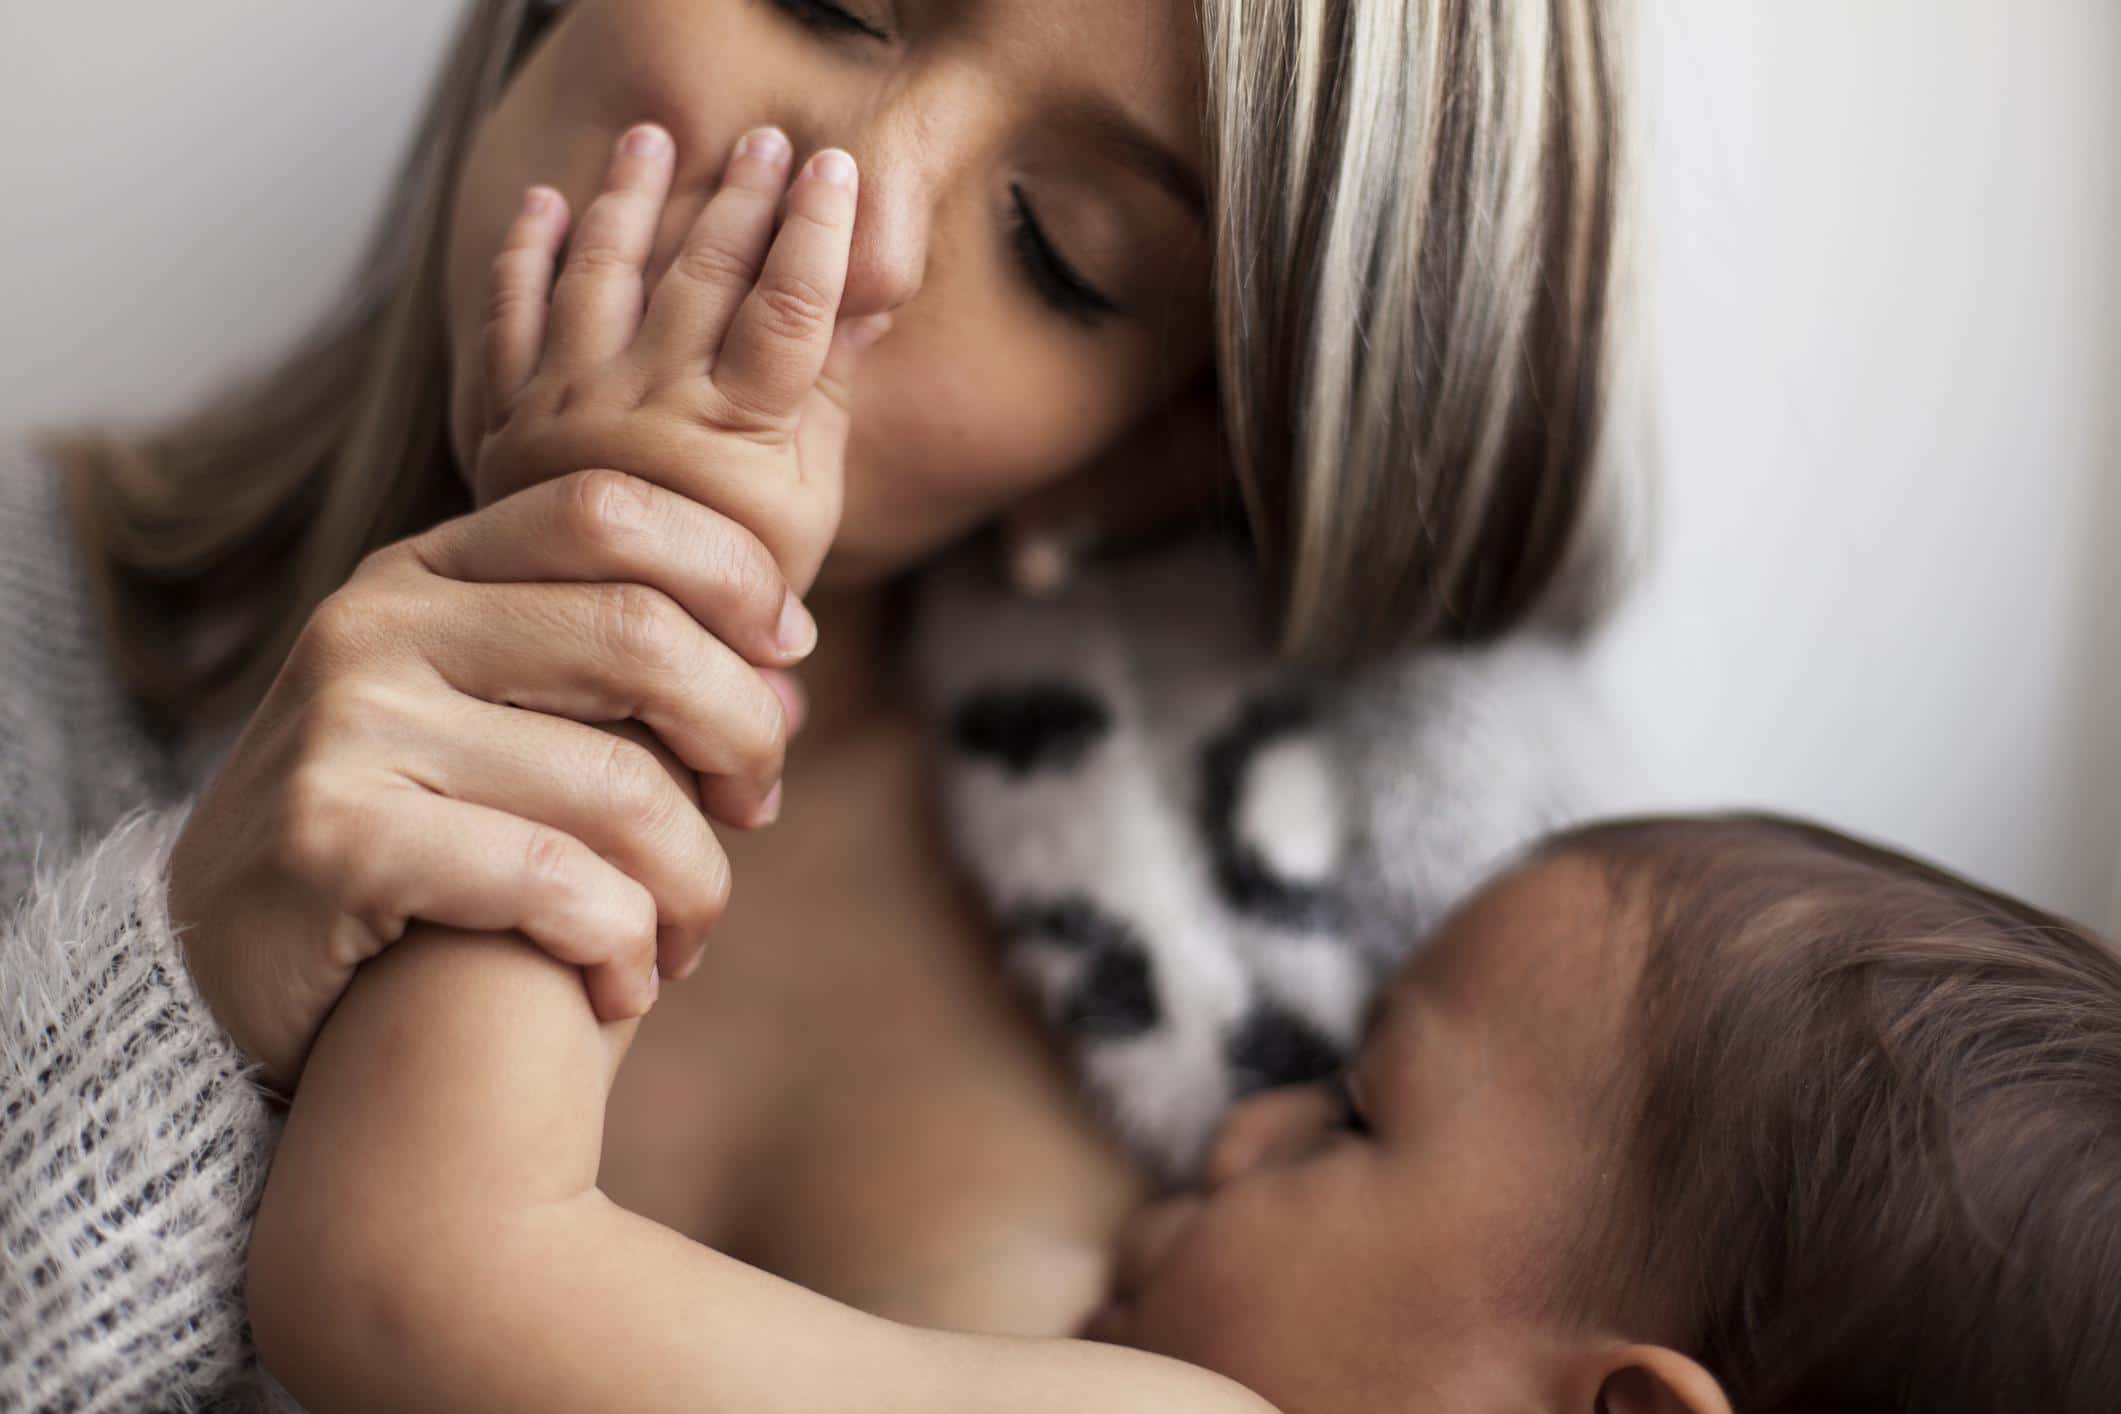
x,y
1874,1155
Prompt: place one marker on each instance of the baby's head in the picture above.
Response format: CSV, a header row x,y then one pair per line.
x,y
1681,1115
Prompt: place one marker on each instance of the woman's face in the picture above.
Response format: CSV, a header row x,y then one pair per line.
x,y
1030,212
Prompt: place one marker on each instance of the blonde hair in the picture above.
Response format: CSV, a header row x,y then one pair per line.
x,y
1417,212
1413,203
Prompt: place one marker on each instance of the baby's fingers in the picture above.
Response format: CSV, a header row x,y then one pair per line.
x,y
597,305
518,295
777,346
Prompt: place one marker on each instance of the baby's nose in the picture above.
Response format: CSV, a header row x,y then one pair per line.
x,y
1273,1127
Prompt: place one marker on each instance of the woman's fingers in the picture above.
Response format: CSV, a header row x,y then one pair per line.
x,y
599,525
602,787
777,345
521,290
610,652
698,296
596,306
393,851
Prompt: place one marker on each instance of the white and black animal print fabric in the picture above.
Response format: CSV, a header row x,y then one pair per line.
x,y
1204,862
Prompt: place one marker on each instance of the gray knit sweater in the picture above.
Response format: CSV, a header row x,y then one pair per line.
x,y
1201,866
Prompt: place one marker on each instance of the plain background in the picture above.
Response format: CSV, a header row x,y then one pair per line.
x,y
1883,300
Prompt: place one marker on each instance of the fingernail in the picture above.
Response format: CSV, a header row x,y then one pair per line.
x,y
767,144
793,707
692,964
771,810
655,984
796,634
647,140
538,201
833,167
865,331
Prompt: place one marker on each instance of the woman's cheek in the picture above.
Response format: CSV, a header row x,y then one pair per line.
x,y
943,441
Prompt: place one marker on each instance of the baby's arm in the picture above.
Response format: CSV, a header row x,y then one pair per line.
x,y
432,1238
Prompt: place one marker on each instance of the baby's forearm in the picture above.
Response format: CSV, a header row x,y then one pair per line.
x,y
432,1238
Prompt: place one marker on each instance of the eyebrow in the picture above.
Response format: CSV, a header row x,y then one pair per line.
x,y
1131,145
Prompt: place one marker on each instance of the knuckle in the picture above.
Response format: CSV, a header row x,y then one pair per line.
x,y
512,282
600,257
549,860
341,629
793,307
713,892
762,736
635,919
343,712
603,505
747,574
710,261
640,625
633,786
740,409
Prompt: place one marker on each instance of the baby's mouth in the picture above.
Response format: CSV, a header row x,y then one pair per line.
x,y
1149,1238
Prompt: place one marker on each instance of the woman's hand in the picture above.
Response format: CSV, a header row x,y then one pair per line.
x,y
427,750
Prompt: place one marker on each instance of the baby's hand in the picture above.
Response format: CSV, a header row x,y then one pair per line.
x,y
729,385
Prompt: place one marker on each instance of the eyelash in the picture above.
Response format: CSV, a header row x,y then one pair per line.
x,y
824,15
1057,282
1351,1118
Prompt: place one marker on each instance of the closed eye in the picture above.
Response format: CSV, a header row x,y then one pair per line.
x,y
1057,281
1352,1118
824,15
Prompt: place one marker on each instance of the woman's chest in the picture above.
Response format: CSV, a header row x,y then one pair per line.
x,y
849,1094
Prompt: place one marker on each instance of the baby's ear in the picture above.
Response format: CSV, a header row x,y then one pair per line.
x,y
1649,1379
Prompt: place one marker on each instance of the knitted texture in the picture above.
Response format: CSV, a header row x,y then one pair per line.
x,y
1200,863
133,1143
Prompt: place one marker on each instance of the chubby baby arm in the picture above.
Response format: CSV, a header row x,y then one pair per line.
x,y
432,1238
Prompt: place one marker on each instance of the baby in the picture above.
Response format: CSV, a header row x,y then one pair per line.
x,y
1677,1115
1720,1114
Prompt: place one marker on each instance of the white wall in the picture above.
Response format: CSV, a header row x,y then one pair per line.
x,y
1887,290
1887,322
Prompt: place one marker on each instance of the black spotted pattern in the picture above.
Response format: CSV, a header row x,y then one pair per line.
x,y
1043,726
1273,1047
1247,882
1116,997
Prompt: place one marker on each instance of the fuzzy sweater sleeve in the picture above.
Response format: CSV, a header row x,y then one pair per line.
x,y
134,1139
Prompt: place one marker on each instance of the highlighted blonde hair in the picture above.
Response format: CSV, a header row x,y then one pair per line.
x,y
1414,206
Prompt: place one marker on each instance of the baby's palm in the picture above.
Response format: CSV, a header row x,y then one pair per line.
x,y
728,385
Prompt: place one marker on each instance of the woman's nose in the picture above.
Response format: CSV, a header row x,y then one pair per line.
x,y
889,257
1273,1127
918,139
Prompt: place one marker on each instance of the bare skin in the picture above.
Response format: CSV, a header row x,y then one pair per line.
x,y
853,983
851,994
845,1171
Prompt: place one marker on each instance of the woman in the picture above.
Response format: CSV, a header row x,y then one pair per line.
x,y
1389,198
